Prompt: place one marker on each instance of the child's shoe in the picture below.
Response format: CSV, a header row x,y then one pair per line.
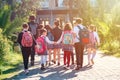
x,y
49,64
42,67
26,71
58,63
54,61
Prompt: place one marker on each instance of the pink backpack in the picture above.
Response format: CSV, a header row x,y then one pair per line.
x,y
27,40
92,39
41,46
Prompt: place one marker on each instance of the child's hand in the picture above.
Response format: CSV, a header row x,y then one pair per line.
x,y
55,43
98,44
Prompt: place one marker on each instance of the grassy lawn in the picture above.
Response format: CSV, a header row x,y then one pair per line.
x,y
11,67
116,53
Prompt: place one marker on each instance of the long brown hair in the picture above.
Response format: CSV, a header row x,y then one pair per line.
x,y
68,27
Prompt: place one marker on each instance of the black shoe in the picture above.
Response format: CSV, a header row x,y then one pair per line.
x,y
77,68
54,61
49,64
42,67
58,63
72,63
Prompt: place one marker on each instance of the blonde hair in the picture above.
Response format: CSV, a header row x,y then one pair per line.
x,y
93,27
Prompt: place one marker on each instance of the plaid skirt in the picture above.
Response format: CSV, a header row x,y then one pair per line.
x,y
50,46
91,46
67,47
57,46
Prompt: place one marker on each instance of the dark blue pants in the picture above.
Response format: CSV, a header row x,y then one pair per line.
x,y
26,51
33,54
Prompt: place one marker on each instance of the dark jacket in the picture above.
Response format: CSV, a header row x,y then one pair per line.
x,y
20,38
57,32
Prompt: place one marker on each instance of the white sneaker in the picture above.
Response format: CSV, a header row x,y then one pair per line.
x,y
26,71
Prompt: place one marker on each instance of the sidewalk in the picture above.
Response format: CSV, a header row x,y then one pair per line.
x,y
105,68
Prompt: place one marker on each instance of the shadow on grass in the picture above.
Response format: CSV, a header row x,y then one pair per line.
x,y
15,68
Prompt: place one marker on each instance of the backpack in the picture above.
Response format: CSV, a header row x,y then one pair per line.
x,y
83,35
67,37
27,39
92,39
40,48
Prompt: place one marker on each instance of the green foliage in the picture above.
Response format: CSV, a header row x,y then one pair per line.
x,y
4,16
11,66
13,26
105,15
115,14
5,48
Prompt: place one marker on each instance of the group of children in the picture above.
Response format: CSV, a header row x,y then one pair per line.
x,y
65,41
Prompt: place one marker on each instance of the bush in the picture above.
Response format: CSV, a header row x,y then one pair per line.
x,y
5,49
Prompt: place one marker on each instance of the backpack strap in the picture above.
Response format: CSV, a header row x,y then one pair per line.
x,y
79,31
79,27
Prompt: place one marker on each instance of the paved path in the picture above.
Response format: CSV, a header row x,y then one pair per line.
x,y
105,68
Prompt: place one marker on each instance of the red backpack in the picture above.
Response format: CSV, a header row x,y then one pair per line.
x,y
27,40
41,46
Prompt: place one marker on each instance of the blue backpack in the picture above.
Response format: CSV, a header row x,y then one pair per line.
x,y
67,37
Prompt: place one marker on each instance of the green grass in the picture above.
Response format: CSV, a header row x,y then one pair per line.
x,y
12,66
116,53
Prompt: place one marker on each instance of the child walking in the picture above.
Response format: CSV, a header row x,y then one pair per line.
x,y
92,46
26,41
67,38
44,52
49,46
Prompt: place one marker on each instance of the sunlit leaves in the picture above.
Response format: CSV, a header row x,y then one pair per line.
x,y
116,14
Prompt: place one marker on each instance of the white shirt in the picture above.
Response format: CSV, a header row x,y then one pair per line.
x,y
76,31
47,40
96,37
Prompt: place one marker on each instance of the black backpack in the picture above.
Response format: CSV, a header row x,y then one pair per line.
x,y
83,35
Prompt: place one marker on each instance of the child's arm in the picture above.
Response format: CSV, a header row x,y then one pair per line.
x,y
19,38
48,41
97,38
60,40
